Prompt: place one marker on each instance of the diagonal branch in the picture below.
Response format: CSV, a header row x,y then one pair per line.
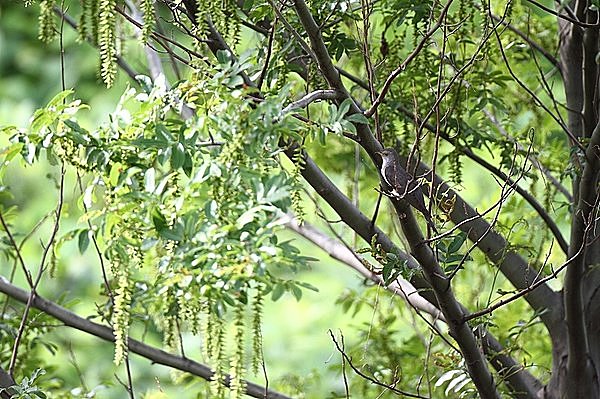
x,y
310,98
543,299
6,381
339,251
149,352
449,305
533,44
361,224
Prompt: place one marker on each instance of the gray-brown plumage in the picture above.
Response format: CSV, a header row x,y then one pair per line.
x,y
402,184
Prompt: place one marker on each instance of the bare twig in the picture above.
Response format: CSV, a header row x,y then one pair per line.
x,y
40,272
537,100
411,56
533,44
369,378
563,16
120,60
263,72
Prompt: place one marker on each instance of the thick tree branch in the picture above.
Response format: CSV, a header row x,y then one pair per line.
x,y
522,383
362,225
543,299
579,369
451,308
6,381
103,332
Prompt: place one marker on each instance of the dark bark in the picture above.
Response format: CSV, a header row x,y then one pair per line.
x,y
576,356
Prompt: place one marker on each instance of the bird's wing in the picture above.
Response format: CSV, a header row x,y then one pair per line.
x,y
394,178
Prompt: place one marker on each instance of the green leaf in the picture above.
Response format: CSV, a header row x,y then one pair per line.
x,y
228,299
188,165
307,286
177,156
387,270
83,240
358,118
457,242
277,292
174,234
296,291
223,57
158,219
12,151
344,108
58,99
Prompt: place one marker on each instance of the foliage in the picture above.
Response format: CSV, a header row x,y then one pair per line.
x,y
187,211
181,190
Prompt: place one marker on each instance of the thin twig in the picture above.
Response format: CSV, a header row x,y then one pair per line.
x,y
563,16
402,67
369,378
263,72
41,268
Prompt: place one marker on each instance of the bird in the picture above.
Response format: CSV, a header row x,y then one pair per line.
x,y
402,184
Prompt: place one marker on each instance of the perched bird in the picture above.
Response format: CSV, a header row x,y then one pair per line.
x,y
402,184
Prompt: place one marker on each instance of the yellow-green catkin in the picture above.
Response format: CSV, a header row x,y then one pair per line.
x,y
47,29
107,40
296,196
217,388
148,10
120,316
237,369
257,342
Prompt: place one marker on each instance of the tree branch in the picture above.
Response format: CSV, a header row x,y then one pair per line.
x,y
522,383
6,381
411,56
563,16
103,332
342,253
496,248
310,98
578,367
533,44
449,305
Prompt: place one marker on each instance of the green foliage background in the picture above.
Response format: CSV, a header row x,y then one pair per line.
x,y
300,357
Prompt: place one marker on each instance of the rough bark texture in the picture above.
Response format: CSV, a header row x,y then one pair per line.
x,y
576,349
